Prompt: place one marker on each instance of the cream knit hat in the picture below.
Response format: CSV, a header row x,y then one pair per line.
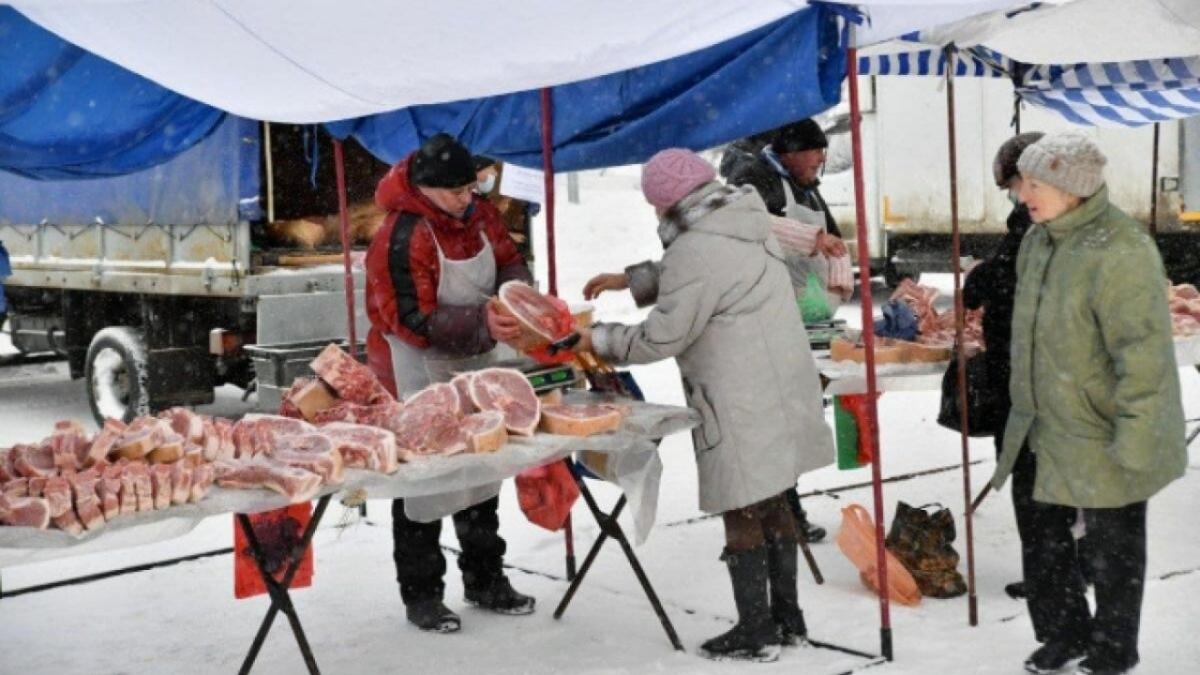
x,y
1068,161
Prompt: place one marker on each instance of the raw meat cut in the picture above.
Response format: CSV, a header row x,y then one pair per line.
x,y
222,447
143,485
62,508
193,455
25,512
351,380
286,407
16,487
33,461
486,431
312,398
128,494
573,419
87,503
312,452
255,434
430,430
507,391
542,319
181,483
160,483
137,443
364,447
108,489
296,484
440,396
168,449
184,422
37,486
104,442
62,444
462,384
377,415
202,480
7,470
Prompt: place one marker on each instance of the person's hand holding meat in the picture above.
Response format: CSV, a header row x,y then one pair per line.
x,y
829,245
604,282
502,327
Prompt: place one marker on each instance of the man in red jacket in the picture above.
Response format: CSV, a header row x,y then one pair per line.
x,y
431,269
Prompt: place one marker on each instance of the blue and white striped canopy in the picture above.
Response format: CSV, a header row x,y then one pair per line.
x,y
1127,94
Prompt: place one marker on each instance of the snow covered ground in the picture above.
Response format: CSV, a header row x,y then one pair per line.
x,y
183,618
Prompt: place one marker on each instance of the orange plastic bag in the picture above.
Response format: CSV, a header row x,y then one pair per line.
x,y
856,539
278,532
546,494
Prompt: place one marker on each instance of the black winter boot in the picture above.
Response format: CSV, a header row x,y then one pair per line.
x,y
785,605
501,598
1054,656
755,637
433,616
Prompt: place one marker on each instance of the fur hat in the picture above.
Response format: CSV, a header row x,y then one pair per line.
x,y
672,174
1004,167
1069,161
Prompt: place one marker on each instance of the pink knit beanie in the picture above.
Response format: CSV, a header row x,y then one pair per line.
x,y
673,173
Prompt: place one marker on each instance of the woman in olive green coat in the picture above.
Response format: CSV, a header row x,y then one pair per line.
x,y
1095,396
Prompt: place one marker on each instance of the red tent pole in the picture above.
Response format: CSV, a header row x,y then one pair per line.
x,y
959,328
868,313
552,262
340,168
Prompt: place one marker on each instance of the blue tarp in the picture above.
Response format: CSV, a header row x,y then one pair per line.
x,y
66,113
215,181
782,72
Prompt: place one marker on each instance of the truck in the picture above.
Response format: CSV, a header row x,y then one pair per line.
x,y
157,286
906,171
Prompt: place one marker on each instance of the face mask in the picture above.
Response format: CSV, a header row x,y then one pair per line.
x,y
486,185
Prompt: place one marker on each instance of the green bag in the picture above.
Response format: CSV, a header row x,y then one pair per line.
x,y
846,435
814,303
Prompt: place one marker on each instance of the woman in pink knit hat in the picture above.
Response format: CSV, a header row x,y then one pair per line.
x,y
726,311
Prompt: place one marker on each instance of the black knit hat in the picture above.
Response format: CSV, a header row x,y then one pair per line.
x,y
1004,167
442,162
482,162
799,136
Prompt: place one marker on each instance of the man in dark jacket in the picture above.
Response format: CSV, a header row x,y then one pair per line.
x,y
431,269
782,165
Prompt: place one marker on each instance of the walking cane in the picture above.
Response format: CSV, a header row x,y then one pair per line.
x,y
979,499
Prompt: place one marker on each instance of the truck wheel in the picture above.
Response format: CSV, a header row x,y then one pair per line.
x,y
116,375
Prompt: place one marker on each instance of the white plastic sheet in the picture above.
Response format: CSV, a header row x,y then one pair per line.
x,y
434,475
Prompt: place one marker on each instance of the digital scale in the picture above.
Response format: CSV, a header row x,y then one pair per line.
x,y
547,378
822,333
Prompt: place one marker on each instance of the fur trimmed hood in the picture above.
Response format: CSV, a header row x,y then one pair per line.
x,y
738,213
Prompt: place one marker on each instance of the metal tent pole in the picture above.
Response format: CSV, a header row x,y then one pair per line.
x,y
552,261
340,168
959,328
1154,185
864,274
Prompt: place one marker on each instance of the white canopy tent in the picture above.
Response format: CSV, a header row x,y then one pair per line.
x,y
318,61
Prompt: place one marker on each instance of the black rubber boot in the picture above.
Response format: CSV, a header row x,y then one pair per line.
x,y
785,604
433,616
501,598
1054,656
755,637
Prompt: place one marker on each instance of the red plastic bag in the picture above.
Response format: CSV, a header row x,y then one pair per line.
x,y
546,494
856,539
278,532
565,323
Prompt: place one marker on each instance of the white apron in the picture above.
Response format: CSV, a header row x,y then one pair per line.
x,y
800,267
461,282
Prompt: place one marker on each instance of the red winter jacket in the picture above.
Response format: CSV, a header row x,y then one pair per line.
x,y
403,274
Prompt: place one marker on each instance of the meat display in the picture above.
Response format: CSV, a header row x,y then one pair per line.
x,y
936,329
255,434
462,384
573,419
351,380
377,415
313,452
1184,303
543,319
486,431
440,396
507,391
296,484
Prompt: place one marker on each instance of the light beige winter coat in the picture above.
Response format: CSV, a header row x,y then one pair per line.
x,y
725,308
